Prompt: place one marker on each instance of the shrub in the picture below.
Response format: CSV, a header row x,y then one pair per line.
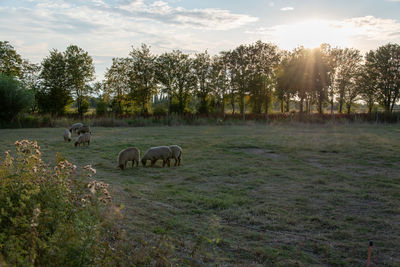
x,y
13,98
51,216
101,107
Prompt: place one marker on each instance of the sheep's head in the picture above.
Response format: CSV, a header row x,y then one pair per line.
x,y
121,166
76,143
69,139
144,162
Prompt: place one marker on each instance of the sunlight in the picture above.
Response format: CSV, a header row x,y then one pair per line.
x,y
312,33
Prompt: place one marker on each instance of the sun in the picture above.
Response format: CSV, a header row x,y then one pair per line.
x,y
312,33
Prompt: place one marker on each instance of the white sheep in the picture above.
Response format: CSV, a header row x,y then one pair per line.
x,y
83,129
82,139
156,153
128,154
176,154
67,135
75,126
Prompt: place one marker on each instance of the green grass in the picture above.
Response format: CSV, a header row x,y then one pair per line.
x,y
272,195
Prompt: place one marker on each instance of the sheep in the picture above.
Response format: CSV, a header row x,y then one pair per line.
x,y
82,139
128,154
176,154
75,126
83,129
156,153
67,135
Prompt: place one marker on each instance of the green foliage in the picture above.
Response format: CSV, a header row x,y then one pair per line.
x,y
79,72
101,107
13,98
54,95
51,216
10,60
84,105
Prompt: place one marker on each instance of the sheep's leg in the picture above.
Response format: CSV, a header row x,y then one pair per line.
x,y
133,163
163,163
179,160
153,161
169,163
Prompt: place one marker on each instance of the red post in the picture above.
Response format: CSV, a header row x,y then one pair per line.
x,y
369,253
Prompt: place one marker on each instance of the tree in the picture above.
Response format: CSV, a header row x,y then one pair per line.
x,y
283,89
220,79
117,82
347,72
384,65
263,61
167,68
142,78
367,87
30,79
202,70
79,72
10,60
14,98
318,77
54,94
185,81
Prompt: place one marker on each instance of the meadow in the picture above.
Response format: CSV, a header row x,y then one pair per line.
x,y
277,194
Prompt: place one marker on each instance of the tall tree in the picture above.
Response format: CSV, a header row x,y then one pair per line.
x,y
263,61
384,65
142,77
30,79
80,71
347,72
367,87
54,94
116,83
10,60
202,70
14,98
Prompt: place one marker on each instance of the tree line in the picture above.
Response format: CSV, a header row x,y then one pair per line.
x,y
248,78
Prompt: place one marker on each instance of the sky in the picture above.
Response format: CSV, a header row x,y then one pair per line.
x,y
112,28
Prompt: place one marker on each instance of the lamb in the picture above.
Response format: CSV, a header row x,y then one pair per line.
x,y
83,129
82,139
128,154
67,135
176,154
75,126
156,153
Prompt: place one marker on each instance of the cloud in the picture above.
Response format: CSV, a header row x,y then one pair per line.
x,y
108,30
288,8
364,33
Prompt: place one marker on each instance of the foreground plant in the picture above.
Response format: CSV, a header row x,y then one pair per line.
x,y
54,215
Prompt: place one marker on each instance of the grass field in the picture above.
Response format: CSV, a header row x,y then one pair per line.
x,y
248,195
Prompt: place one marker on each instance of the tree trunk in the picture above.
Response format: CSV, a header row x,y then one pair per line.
x,y
287,104
282,103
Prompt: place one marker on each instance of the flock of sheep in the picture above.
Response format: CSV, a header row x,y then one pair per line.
x,y
165,153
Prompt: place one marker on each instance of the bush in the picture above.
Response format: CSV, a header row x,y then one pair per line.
x,y
101,107
51,216
13,98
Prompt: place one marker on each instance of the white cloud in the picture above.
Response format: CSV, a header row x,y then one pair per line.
x,y
107,31
288,8
364,33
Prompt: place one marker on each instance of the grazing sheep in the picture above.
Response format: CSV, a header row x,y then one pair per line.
x,y
67,135
82,139
83,129
75,126
176,154
156,153
128,154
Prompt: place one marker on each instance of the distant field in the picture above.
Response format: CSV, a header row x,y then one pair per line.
x,y
278,194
